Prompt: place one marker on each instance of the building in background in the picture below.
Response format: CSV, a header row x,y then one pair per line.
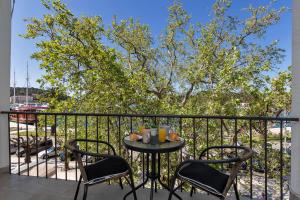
x,y
21,99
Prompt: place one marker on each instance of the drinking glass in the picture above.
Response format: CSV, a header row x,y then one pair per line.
x,y
146,135
162,134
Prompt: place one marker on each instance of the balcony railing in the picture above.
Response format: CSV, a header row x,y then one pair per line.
x,y
266,175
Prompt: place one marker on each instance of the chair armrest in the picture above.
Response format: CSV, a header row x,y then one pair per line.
x,y
70,145
97,155
229,160
247,153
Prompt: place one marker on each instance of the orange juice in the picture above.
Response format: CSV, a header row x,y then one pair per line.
x,y
140,129
162,134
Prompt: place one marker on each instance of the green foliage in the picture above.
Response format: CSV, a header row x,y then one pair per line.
x,y
197,68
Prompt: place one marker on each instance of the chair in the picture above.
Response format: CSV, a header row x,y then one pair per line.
x,y
200,174
105,167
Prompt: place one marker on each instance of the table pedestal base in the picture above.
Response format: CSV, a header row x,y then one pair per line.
x,y
153,177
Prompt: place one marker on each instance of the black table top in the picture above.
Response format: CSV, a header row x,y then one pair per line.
x,y
165,147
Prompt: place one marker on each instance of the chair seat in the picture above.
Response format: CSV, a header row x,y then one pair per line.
x,y
203,176
106,168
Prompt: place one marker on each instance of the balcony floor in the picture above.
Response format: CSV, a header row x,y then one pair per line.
x,y
14,187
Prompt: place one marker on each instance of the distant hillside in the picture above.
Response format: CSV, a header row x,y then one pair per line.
x,y
21,91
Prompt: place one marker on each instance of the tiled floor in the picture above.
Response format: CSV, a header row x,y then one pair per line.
x,y
14,187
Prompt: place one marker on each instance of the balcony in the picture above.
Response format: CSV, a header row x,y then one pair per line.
x,y
20,187
273,173
268,172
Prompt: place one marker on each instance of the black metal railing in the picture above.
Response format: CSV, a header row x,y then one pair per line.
x,y
40,137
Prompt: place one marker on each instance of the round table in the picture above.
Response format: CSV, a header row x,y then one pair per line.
x,y
153,149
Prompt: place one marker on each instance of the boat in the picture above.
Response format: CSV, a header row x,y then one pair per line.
x,y
27,107
27,118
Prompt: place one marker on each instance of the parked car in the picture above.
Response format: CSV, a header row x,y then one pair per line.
x,y
14,144
50,153
42,145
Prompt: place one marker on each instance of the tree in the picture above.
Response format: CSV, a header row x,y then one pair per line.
x,y
217,61
76,62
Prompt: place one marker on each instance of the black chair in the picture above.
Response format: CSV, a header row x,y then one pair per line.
x,y
105,167
200,174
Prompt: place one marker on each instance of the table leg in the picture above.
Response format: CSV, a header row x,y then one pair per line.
x,y
161,183
153,176
151,190
147,172
158,170
137,187
158,164
144,182
167,188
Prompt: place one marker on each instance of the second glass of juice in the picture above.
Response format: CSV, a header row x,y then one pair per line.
x,y
162,134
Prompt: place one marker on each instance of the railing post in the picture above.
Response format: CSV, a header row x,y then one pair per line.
x,y
295,163
5,36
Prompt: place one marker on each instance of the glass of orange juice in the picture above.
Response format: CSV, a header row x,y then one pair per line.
x,y
162,134
141,128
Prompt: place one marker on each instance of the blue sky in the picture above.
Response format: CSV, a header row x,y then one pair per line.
x,y
152,12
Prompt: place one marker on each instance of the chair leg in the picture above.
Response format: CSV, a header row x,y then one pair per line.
x,y
236,191
151,189
77,189
85,192
132,185
120,183
192,191
172,187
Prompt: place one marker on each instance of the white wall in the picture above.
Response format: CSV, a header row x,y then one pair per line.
x,y
295,173
5,39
